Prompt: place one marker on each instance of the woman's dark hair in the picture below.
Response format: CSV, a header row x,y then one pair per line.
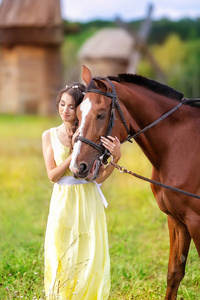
x,y
76,90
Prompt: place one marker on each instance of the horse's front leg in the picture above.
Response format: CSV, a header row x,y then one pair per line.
x,y
179,247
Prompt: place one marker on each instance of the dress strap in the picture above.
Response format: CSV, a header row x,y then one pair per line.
x,y
54,138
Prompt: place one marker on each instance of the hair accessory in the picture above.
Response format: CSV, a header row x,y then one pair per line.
x,y
74,87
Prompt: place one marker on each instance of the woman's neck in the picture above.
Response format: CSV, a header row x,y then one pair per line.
x,y
65,133
69,128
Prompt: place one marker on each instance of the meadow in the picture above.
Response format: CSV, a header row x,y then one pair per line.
x,y
138,233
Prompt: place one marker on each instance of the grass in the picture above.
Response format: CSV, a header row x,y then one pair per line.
x,y
138,234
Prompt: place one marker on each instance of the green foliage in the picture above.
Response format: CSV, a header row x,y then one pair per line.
x,y
138,234
186,29
80,27
174,45
169,56
179,61
190,70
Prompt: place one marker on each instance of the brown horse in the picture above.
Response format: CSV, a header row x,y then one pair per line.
x,y
172,146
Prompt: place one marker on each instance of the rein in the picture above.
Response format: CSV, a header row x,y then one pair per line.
x,y
122,169
134,136
105,152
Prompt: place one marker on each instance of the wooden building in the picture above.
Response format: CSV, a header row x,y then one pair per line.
x,y
107,52
30,62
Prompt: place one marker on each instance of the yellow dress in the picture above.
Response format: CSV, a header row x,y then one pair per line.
x,y
77,262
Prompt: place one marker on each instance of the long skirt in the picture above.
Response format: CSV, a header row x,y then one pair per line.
x,y
77,262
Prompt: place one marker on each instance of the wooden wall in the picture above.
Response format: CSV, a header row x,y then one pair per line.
x,y
30,77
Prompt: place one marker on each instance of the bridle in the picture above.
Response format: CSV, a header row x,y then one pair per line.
x,y
115,104
104,152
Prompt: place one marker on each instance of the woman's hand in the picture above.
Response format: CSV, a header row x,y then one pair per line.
x,y
113,145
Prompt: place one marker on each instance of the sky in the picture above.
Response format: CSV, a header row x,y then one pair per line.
x,y
127,10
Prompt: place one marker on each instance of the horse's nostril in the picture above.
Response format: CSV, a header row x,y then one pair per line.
x,y
83,168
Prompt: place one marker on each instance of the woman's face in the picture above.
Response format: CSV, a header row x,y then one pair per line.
x,y
67,108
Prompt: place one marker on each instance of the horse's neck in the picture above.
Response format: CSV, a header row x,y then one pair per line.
x,y
144,108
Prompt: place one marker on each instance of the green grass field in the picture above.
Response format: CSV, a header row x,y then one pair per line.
x,y
138,234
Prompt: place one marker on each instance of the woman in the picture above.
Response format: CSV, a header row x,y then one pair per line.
x,y
77,263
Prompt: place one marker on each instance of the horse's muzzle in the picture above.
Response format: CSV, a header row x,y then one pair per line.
x,y
89,174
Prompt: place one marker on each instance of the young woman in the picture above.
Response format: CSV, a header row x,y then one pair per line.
x,y
77,263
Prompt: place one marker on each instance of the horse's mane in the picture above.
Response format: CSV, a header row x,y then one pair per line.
x,y
153,85
150,84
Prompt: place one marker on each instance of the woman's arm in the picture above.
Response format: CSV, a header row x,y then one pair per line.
x,y
113,145
54,172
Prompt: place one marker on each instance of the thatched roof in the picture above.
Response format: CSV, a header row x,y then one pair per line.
x,y
35,22
108,43
30,13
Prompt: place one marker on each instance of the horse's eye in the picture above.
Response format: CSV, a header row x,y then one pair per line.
x,y
101,116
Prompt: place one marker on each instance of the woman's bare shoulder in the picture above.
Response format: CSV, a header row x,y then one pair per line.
x,y
46,135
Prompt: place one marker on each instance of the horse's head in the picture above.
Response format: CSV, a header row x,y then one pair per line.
x,y
97,118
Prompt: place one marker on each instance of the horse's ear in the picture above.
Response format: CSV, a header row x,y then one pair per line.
x,y
100,84
86,75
